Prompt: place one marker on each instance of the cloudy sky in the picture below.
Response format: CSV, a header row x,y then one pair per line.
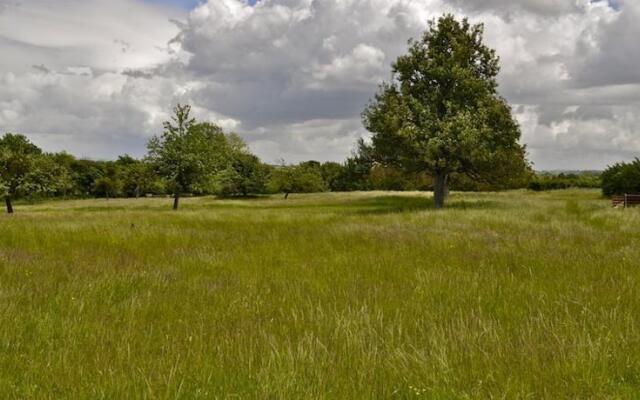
x,y
98,77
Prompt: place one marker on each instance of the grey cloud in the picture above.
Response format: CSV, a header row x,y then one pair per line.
x,y
41,68
307,140
611,56
263,105
287,62
510,7
138,74
5,4
124,45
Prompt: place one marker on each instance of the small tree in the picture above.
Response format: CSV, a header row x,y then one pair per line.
x,y
186,154
137,176
49,177
109,184
245,175
442,113
18,159
296,179
333,174
106,187
356,170
170,153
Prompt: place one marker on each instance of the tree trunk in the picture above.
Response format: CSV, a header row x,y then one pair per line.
x,y
440,190
176,201
7,200
286,195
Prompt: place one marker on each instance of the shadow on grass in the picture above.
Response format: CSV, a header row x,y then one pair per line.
x,y
403,204
357,206
378,205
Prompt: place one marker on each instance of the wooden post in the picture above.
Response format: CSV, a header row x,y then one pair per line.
x,y
626,201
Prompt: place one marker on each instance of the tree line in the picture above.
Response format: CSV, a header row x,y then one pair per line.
x,y
200,159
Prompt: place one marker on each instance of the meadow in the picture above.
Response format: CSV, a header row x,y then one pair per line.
x,y
514,295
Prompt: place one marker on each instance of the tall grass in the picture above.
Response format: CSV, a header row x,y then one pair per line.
x,y
340,296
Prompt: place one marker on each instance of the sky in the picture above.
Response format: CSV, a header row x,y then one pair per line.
x,y
97,78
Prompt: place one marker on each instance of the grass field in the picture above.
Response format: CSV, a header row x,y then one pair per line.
x,y
341,296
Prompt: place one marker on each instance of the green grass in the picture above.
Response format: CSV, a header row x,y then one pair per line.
x,y
340,296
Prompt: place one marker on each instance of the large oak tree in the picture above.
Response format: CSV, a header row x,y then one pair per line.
x,y
442,114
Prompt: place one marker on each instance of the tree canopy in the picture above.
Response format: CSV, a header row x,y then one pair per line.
x,y
18,166
185,154
303,178
442,113
622,178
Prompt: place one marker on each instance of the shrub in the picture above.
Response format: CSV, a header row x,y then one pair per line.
x,y
621,178
548,181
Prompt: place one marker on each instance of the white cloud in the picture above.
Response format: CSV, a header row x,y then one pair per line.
x,y
363,65
62,81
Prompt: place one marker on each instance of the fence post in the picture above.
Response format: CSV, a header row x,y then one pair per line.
x,y
626,201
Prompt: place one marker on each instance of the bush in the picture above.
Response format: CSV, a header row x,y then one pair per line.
x,y
296,179
245,176
621,178
547,181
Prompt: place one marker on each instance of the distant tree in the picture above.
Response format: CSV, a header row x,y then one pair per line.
x,y
553,181
245,175
173,154
49,177
185,154
137,176
388,178
622,178
332,172
109,184
442,113
84,174
311,165
63,163
356,170
106,187
303,178
18,160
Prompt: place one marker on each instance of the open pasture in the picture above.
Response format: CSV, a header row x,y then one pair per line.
x,y
339,296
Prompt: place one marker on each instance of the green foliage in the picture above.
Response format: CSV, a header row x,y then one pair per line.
x,y
48,178
355,171
384,177
622,178
199,158
107,187
84,174
551,181
26,171
180,154
138,177
109,184
18,162
244,176
443,115
332,173
303,178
